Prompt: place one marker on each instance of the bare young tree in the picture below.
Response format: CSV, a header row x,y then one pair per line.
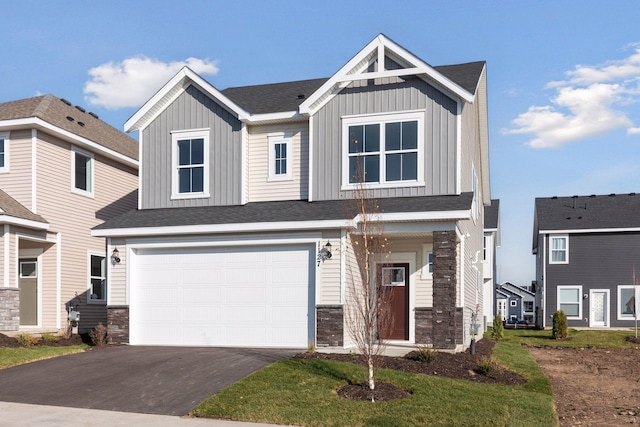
x,y
368,312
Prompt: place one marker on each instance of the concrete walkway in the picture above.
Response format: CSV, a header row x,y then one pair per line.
x,y
21,414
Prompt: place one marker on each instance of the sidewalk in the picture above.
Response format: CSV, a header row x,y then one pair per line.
x,y
20,414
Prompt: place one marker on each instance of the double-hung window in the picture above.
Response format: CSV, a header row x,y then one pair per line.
x,y
570,301
82,172
97,278
628,303
190,153
559,249
4,152
383,150
280,155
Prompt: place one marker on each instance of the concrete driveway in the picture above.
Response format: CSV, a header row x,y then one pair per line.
x,y
151,380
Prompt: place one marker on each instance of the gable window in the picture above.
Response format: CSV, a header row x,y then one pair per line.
x,y
82,172
4,152
383,150
190,153
280,152
97,278
559,249
570,301
627,302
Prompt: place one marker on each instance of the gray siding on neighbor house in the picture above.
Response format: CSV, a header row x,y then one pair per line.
x,y
600,261
403,95
192,110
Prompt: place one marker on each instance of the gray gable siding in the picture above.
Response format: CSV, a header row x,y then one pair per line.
x,y
596,261
192,110
401,95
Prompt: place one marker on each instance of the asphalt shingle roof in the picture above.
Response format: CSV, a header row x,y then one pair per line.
x,y
72,119
281,211
12,207
466,75
588,212
491,214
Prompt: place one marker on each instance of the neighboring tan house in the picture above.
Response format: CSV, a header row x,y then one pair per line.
x,y
62,172
587,259
515,302
242,189
489,258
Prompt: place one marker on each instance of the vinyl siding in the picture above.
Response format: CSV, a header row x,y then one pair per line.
x,y
330,280
260,188
193,110
402,95
117,275
17,182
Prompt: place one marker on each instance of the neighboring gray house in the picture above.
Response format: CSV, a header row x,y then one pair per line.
x,y
245,192
515,302
587,259
489,257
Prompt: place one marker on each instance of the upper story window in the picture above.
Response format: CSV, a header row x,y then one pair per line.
x,y
190,154
559,249
280,157
82,172
383,150
4,152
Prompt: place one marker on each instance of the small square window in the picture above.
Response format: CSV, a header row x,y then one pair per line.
x,y
514,303
28,269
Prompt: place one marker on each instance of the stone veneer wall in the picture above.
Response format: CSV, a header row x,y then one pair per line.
x,y
118,324
329,326
447,321
9,309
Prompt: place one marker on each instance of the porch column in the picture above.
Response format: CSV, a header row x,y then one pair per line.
x,y
447,323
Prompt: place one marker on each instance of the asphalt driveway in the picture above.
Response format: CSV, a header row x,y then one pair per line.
x,y
151,380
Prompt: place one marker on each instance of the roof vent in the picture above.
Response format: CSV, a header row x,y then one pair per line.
x,y
554,197
65,101
612,195
70,118
81,124
92,114
632,194
575,197
301,96
593,195
81,109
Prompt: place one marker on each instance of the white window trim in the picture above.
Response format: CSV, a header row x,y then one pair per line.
x,y
5,137
474,190
427,249
347,121
92,163
619,302
280,139
21,263
189,134
579,288
566,250
513,303
89,276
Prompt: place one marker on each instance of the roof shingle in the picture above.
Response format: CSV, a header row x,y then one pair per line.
x,y
12,207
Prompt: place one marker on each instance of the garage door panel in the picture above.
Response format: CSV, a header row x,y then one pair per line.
x,y
254,296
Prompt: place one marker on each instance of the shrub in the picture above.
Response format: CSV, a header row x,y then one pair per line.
x,y
27,340
487,366
49,338
498,328
423,353
99,335
560,328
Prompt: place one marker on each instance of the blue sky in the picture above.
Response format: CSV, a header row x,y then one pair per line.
x,y
564,76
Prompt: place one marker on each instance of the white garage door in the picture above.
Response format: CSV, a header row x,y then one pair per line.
x,y
247,296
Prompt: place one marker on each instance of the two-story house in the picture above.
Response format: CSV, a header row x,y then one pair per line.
x,y
587,252
62,172
244,191
490,245
515,303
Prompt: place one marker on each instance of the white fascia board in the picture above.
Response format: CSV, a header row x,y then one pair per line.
x,y
183,78
422,216
222,228
71,137
273,117
7,219
590,230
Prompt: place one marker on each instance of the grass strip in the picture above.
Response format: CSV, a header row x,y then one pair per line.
x,y
17,356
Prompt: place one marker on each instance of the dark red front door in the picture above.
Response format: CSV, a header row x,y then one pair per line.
x,y
395,281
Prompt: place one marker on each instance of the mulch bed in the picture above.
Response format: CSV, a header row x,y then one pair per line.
x,y
461,366
12,342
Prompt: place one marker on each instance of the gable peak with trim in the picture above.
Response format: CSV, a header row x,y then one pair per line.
x,y
380,58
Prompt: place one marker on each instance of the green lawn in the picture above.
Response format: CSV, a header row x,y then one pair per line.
x,y
17,356
303,392
577,338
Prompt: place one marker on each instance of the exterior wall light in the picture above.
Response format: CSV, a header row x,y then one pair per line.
x,y
115,257
324,253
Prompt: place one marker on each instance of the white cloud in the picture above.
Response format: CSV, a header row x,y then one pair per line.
x,y
588,103
133,81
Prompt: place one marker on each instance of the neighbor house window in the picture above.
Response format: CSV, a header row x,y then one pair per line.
x,y
383,150
528,306
559,250
190,153
570,301
82,171
280,154
627,302
427,261
97,278
514,303
4,152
